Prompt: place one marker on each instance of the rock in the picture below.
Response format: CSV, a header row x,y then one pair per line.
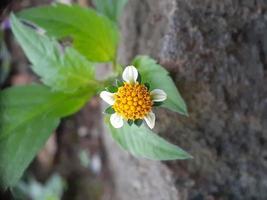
x,y
138,178
216,52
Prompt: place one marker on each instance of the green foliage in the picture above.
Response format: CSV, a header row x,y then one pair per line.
x,y
147,85
52,190
4,59
155,104
111,8
119,83
109,110
29,114
130,122
94,35
112,89
66,72
142,142
159,78
138,122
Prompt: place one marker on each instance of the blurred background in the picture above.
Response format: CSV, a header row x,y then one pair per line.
x,y
216,52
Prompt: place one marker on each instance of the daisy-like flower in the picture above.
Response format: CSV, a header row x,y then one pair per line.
x,y
133,101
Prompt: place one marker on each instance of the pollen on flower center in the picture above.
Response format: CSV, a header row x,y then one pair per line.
x,y
133,101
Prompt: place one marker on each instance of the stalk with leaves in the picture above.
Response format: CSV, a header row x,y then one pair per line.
x,y
30,113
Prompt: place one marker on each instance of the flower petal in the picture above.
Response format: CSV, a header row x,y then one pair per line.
x,y
116,120
150,119
158,95
130,74
108,97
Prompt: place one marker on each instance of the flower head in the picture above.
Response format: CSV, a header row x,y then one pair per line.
x,y
133,101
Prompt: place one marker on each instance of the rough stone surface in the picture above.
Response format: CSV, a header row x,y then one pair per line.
x,y
216,52
138,178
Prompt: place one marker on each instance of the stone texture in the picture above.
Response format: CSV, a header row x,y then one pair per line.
x,y
138,178
216,52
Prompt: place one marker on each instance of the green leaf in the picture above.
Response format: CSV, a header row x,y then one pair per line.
x,y
112,89
94,35
29,114
5,60
139,78
142,142
19,148
110,8
109,110
159,78
138,122
157,103
119,83
147,85
66,72
130,122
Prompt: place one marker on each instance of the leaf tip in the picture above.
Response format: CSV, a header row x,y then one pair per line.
x,y
183,110
185,113
187,155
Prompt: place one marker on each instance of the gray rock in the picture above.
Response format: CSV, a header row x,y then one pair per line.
x,y
216,52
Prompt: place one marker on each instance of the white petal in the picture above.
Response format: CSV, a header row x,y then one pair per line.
x,y
130,74
116,120
108,97
150,119
158,95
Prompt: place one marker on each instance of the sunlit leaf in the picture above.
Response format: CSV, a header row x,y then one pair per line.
x,y
94,35
67,72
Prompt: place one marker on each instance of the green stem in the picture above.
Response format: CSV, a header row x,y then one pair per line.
x,y
114,65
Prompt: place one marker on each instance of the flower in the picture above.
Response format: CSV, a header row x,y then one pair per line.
x,y
133,101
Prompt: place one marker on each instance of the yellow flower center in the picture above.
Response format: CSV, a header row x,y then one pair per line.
x,y
133,101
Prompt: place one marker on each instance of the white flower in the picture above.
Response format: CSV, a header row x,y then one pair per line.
x,y
133,100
